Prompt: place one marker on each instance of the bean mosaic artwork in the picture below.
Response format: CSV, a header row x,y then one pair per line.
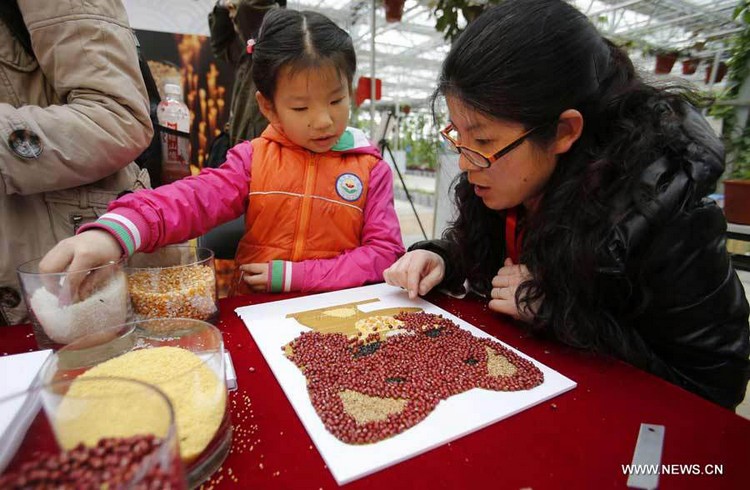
x,y
387,370
112,463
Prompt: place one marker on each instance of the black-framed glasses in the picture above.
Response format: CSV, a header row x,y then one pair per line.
x,y
478,158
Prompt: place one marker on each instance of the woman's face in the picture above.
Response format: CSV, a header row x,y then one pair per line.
x,y
518,177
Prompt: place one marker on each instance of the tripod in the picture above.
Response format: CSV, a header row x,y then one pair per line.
x,y
383,145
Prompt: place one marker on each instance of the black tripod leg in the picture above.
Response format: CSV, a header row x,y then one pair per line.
x,y
384,146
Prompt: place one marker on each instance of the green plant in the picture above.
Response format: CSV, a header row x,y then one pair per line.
x,y
736,136
447,18
420,140
355,119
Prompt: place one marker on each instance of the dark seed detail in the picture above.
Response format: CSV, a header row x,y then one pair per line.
x,y
367,349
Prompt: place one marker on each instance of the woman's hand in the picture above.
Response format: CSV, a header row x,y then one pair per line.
x,y
503,294
418,272
90,249
256,276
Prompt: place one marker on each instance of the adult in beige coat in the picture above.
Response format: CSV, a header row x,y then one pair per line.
x,y
73,116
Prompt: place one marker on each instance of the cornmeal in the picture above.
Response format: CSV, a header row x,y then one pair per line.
x,y
197,394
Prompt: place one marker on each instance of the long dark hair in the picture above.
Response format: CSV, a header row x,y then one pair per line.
x,y
299,40
528,61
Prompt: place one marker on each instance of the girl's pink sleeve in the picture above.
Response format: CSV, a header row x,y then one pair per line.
x,y
148,219
381,246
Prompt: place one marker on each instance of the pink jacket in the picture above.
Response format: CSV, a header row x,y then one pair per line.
x,y
149,219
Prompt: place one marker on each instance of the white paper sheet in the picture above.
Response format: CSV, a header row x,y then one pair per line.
x,y
17,373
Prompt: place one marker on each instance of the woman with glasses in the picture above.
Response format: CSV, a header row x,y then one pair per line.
x,y
582,206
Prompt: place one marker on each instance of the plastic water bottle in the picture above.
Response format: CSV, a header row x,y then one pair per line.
x,y
172,113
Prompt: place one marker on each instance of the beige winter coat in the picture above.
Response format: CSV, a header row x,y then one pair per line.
x,y
84,98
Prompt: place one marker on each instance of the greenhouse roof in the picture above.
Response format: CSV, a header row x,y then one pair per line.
x,y
408,53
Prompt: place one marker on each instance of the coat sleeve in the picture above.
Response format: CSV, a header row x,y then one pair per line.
x,y
225,43
87,55
148,219
381,246
695,315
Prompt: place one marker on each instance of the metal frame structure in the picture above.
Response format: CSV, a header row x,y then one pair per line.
x,y
669,24
408,54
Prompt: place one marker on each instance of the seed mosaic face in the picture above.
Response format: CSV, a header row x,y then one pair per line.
x,y
391,369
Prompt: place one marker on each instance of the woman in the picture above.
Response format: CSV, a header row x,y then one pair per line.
x,y
582,203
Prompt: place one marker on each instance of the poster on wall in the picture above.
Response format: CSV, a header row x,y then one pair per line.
x,y
187,60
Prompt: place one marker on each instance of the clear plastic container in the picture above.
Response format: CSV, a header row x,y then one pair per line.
x,y
174,115
93,433
174,282
66,306
182,357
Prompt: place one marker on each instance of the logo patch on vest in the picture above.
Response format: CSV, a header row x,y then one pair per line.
x,y
349,187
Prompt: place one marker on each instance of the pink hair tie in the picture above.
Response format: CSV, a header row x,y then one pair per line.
x,y
250,46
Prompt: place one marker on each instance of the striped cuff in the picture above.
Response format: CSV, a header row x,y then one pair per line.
x,y
123,229
281,276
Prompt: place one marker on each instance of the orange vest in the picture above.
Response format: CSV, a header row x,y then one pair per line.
x,y
302,205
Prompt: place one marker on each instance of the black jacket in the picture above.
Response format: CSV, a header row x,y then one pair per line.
x,y
228,43
666,277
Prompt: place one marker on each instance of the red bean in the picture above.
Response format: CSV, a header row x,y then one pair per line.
x,y
111,463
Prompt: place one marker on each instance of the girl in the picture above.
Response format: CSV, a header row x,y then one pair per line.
x,y
582,206
317,197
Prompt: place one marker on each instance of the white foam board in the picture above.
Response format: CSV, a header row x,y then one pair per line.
x,y
17,373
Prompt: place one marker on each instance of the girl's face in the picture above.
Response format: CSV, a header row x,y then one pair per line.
x,y
311,106
518,177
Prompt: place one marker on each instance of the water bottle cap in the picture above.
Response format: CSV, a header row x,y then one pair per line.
x,y
172,89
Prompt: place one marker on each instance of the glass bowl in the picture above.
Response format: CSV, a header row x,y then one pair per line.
x,y
173,282
73,444
184,358
68,305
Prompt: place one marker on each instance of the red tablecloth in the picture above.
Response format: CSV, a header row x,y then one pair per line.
x,y
580,439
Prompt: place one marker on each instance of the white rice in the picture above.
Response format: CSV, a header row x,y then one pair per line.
x,y
107,307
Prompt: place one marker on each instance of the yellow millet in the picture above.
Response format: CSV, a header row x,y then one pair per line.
x,y
197,394
340,312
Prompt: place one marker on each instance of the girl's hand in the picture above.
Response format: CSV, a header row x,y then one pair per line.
x,y
418,272
503,293
256,276
90,249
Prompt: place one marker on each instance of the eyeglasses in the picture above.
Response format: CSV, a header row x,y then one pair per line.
x,y
477,157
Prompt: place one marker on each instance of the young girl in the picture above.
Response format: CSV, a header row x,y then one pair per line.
x,y
317,197
582,206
